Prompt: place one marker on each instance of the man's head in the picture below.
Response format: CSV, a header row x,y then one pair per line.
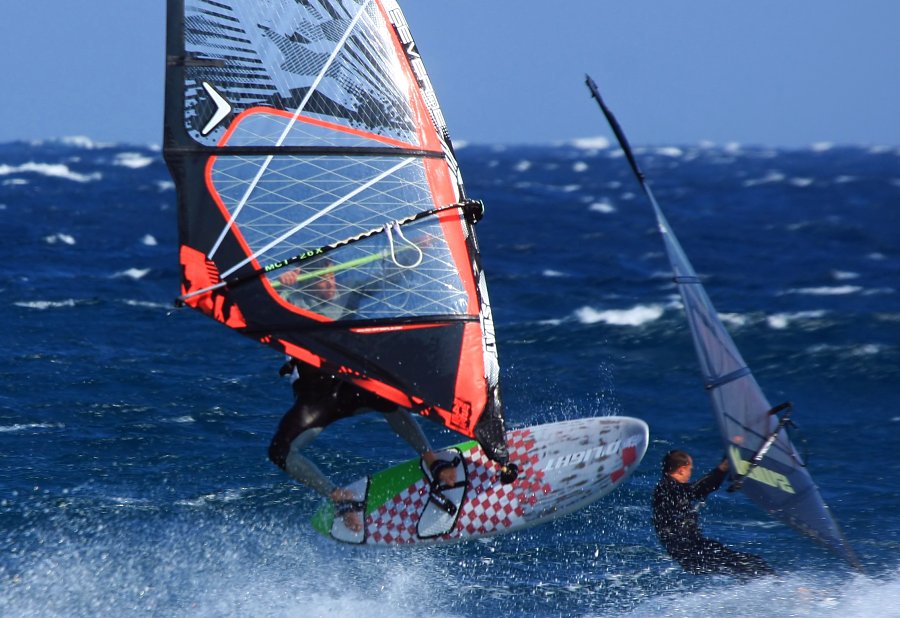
x,y
678,465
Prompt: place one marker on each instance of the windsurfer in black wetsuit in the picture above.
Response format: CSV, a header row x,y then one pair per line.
x,y
320,399
677,521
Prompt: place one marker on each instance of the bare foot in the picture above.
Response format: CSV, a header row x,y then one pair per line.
x,y
447,476
351,518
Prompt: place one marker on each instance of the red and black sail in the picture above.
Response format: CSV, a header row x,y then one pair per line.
x,y
321,209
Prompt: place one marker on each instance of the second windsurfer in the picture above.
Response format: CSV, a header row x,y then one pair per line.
x,y
677,524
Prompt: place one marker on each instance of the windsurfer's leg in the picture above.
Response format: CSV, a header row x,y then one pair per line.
x,y
302,469
306,472
297,429
709,556
402,422
742,563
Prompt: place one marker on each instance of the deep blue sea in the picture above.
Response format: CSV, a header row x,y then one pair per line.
x,y
133,436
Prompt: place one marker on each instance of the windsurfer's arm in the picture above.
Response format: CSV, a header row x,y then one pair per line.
x,y
319,283
710,482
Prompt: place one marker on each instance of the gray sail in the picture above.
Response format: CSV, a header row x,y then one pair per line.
x,y
764,463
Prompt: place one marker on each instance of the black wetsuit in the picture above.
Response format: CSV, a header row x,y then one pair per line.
x,y
677,525
320,398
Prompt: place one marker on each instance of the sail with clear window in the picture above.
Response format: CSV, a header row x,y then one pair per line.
x,y
321,209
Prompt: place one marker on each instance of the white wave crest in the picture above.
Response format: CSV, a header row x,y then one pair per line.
x,y
734,319
603,206
579,166
132,273
43,305
146,303
670,151
769,178
868,349
29,427
844,275
855,351
66,239
79,141
827,290
132,160
591,143
149,240
54,170
780,321
636,316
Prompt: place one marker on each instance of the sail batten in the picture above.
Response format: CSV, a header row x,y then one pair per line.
x,y
296,133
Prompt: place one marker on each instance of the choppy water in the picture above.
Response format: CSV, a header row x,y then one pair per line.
x,y
133,475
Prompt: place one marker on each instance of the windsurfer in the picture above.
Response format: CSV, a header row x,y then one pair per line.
x,y
676,520
318,293
320,399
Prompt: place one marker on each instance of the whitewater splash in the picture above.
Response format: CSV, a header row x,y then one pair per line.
x,y
805,594
200,567
208,561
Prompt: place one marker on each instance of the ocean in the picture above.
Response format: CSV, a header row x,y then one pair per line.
x,y
133,435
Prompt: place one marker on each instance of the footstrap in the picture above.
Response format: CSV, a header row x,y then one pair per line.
x,y
342,507
439,465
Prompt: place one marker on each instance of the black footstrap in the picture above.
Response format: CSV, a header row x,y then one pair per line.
x,y
438,466
342,507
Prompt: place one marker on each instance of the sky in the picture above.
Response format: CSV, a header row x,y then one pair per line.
x,y
787,73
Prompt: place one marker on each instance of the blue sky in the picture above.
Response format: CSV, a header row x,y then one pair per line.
x,y
772,72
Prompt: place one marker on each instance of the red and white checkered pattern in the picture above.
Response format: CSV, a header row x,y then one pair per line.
x,y
492,508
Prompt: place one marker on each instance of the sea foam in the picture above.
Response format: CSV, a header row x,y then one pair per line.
x,y
53,170
636,316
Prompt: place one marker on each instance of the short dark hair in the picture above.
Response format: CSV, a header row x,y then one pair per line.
x,y
673,460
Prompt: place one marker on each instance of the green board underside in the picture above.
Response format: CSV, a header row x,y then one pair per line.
x,y
383,486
